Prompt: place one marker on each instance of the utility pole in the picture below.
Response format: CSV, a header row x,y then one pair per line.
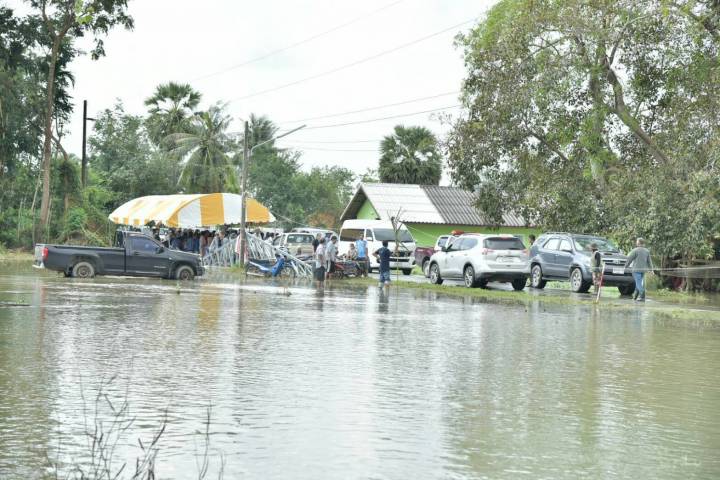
x,y
243,186
83,171
247,156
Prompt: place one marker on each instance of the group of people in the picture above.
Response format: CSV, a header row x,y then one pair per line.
x,y
193,241
325,254
326,258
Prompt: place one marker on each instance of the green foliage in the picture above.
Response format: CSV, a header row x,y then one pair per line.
x,y
595,117
170,109
410,155
120,149
204,150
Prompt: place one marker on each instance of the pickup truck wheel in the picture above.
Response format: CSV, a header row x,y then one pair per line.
x,y
577,284
536,280
469,277
626,290
518,284
83,270
184,272
435,277
426,267
407,271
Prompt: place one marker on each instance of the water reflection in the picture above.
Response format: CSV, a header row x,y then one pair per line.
x,y
354,382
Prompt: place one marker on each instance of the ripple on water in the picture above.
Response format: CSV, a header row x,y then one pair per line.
x,y
353,383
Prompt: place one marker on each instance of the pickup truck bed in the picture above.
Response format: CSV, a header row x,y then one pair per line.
x,y
140,256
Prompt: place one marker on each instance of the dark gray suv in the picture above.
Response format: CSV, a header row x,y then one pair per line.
x,y
566,256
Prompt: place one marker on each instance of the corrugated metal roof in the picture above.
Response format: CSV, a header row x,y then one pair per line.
x,y
389,198
456,206
423,204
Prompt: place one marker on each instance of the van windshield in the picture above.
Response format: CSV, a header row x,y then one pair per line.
x,y
388,234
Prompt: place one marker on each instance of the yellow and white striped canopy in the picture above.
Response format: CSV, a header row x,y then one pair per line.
x,y
190,211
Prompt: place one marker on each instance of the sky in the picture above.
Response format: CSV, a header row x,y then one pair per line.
x,y
212,45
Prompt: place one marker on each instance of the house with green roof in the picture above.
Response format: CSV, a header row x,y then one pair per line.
x,y
428,211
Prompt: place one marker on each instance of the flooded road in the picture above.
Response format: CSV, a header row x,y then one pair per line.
x,y
348,383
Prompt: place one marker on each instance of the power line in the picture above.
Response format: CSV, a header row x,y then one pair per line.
x,y
311,142
372,108
355,63
381,118
329,149
296,44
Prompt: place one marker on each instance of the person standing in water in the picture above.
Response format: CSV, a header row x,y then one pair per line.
x,y
640,262
320,263
383,256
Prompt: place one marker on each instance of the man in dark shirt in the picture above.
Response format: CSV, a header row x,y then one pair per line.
x,y
316,241
383,256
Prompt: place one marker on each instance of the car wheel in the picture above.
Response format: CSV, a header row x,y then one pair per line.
x,y
469,277
407,271
518,284
83,270
426,267
435,277
626,290
577,284
184,272
536,277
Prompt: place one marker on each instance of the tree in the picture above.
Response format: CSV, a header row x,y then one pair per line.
x,y
125,161
207,166
170,110
64,20
410,155
579,113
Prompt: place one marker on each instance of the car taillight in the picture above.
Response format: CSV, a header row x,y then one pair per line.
x,y
486,251
44,253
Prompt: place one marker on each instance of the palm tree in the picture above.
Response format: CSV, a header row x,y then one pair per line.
x,y
410,155
207,167
170,107
261,129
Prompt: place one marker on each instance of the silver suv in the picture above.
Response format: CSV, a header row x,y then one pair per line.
x,y
479,259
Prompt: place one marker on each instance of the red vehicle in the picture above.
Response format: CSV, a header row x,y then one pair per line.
x,y
423,254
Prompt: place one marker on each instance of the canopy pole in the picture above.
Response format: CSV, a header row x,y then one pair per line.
x,y
243,202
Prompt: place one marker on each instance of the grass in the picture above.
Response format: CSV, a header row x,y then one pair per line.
x,y
15,255
523,298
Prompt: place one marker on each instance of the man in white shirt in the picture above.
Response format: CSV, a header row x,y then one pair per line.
x,y
320,263
330,256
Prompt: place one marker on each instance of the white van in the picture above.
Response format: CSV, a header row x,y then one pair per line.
x,y
374,232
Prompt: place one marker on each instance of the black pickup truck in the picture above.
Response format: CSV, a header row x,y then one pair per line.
x,y
137,255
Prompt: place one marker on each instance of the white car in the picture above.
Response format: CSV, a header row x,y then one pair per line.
x,y
478,259
375,232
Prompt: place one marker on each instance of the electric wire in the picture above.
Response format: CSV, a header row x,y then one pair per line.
x,y
318,149
390,117
296,44
314,142
368,109
355,63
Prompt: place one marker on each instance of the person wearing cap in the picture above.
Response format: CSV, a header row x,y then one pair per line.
x,y
595,265
640,262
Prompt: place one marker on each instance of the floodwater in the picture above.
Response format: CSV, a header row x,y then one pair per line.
x,y
347,383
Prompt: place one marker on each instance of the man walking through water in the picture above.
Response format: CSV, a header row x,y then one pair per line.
x,y
383,256
640,261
